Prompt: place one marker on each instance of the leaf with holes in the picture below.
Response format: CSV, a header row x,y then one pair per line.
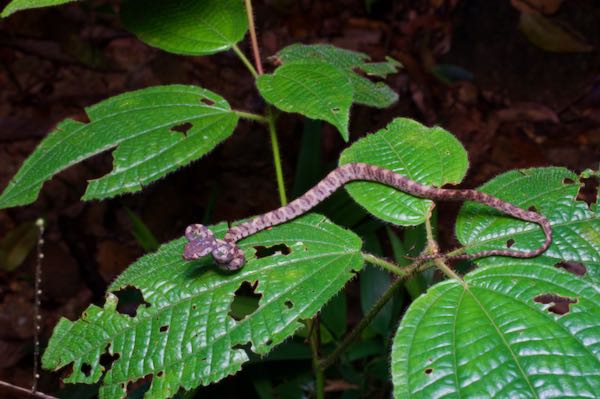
x,y
156,131
186,336
551,191
190,27
512,331
366,92
18,5
430,156
314,89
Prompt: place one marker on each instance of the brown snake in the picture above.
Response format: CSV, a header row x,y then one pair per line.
x,y
229,256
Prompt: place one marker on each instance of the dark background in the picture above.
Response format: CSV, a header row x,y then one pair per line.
x,y
467,67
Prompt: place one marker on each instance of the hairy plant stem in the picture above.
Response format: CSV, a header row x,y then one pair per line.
x,y
405,273
433,247
389,266
245,60
251,116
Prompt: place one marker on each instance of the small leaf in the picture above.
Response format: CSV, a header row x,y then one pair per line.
x,y
189,27
312,88
550,191
141,232
550,35
185,336
18,5
16,245
144,125
497,335
365,91
429,156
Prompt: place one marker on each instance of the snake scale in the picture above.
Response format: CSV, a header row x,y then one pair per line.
x,y
229,256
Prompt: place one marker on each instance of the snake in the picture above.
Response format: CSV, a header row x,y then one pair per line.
x,y
229,256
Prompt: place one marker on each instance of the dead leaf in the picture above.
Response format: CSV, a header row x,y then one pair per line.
x,y
533,6
527,112
551,35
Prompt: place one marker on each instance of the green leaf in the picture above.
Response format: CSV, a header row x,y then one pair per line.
x,y
143,235
552,191
157,130
499,336
551,35
190,27
312,88
190,302
430,156
18,5
16,245
365,91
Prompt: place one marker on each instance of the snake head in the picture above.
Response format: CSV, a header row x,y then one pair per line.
x,y
202,242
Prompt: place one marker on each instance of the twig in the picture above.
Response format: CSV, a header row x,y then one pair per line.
x,y
24,391
37,313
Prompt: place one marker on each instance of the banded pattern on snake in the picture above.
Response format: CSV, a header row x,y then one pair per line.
x,y
229,256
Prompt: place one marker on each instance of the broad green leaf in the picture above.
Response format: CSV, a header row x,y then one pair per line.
x,y
190,27
314,89
429,156
551,191
501,335
18,5
185,336
365,91
156,131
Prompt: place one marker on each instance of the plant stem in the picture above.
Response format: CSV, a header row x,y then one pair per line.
x,y
276,156
253,39
389,266
245,60
432,246
313,328
251,116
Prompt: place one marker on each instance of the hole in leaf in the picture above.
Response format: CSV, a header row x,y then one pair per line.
x,y
589,191
335,110
576,268
560,304
207,101
289,304
163,328
86,369
269,342
510,243
182,128
247,347
566,180
532,208
194,307
107,360
263,252
160,373
245,301
139,386
130,299
428,371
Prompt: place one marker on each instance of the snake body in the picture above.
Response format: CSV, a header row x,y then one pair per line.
x,y
229,256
